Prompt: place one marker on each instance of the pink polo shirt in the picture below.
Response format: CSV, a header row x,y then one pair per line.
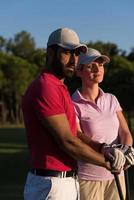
x,y
99,122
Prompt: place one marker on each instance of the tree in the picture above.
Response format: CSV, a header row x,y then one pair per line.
x,y
119,80
131,55
108,48
23,45
39,57
18,73
2,44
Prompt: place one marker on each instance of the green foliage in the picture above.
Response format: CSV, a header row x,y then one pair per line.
x,y
21,61
39,56
119,80
1,79
131,55
105,48
17,73
23,45
2,43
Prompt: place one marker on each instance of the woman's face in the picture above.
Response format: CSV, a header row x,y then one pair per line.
x,y
93,72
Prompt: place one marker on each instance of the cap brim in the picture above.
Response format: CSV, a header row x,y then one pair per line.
x,y
87,60
83,48
106,59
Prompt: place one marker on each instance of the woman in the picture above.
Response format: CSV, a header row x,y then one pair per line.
x,y
100,120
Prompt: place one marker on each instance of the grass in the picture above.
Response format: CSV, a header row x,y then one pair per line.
x,y
14,164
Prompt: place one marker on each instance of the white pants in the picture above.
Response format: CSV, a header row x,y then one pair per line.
x,y
50,188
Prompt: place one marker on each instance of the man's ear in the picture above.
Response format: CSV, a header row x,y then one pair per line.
x,y
50,52
50,55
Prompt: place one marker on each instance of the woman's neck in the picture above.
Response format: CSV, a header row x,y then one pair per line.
x,y
90,92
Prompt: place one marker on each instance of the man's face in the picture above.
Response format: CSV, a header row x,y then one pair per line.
x,y
65,62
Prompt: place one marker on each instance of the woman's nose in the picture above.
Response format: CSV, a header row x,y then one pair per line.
x,y
95,67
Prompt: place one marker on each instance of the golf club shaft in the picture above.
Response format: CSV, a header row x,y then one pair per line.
x,y
118,186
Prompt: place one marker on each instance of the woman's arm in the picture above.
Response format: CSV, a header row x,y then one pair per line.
x,y
125,135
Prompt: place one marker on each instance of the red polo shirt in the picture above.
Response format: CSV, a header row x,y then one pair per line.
x,y
45,97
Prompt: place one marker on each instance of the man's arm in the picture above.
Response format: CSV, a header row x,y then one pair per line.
x,y
95,145
59,128
115,156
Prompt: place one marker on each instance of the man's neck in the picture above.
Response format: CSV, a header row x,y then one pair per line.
x,y
51,71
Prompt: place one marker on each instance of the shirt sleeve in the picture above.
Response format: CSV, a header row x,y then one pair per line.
x,y
116,103
48,101
76,112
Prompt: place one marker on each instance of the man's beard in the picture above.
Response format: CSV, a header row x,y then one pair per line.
x,y
61,70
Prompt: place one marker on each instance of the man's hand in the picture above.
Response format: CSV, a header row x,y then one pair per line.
x,y
115,156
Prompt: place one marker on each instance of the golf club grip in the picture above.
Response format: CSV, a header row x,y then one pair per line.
x,y
118,186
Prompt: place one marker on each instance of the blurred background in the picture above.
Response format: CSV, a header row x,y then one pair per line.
x,y
24,30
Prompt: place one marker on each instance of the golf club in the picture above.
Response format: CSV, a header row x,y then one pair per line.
x,y
118,186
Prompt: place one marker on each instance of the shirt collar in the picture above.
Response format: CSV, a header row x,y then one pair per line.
x,y
77,97
53,78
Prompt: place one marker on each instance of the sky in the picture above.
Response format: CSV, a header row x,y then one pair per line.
x,y
105,20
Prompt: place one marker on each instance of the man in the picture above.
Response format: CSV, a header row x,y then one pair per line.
x,y
101,120
49,119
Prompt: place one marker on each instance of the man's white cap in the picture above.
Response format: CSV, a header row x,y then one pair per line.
x,y
90,56
66,38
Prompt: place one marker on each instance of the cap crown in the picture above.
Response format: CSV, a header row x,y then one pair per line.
x,y
92,55
63,37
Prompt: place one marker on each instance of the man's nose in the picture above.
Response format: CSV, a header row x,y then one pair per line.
x,y
73,58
